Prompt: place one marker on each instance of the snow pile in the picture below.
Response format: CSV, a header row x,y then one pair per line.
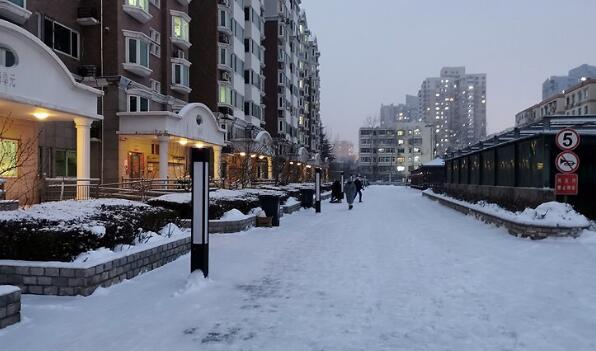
x,y
69,210
233,215
219,195
194,283
553,214
258,212
292,201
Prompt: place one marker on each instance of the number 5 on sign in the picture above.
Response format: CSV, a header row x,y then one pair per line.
x,y
568,139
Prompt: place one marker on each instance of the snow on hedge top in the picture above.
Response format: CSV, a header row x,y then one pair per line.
x,y
65,210
551,214
220,194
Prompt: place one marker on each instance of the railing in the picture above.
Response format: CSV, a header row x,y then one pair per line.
x,y
58,189
143,189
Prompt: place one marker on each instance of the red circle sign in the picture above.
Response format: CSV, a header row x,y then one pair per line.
x,y
567,162
568,139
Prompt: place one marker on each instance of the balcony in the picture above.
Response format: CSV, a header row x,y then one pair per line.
x,y
137,69
137,12
184,2
181,43
224,38
180,88
87,16
14,11
224,3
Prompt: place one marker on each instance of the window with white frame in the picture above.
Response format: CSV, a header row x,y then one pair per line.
x,y
180,27
142,4
155,46
137,51
138,103
180,74
155,86
61,38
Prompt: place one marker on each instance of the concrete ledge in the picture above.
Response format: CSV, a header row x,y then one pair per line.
x,y
291,208
10,305
519,229
71,279
225,227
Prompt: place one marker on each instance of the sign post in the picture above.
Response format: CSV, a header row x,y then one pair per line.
x,y
199,253
318,174
567,162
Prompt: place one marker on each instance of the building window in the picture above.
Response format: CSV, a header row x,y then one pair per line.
x,y
7,58
155,86
155,46
180,28
65,164
61,38
138,103
8,157
137,51
181,74
225,95
142,4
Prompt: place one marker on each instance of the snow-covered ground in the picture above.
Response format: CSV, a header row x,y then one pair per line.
x,y
399,272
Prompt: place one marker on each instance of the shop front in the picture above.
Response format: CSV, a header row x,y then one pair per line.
x,y
156,144
37,91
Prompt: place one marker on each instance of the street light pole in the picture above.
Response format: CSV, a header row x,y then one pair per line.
x,y
318,174
199,253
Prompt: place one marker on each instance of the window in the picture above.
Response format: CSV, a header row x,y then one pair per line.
x,y
138,103
180,28
155,46
181,74
137,51
65,163
155,86
225,95
8,157
61,38
142,4
7,58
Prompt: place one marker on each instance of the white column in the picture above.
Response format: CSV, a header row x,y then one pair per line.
x,y
269,167
83,126
216,162
164,156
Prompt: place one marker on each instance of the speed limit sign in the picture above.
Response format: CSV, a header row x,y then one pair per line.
x,y
568,139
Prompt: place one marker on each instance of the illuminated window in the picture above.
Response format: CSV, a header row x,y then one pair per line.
x,y
142,4
8,157
179,28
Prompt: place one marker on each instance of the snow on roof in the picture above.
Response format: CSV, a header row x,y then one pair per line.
x,y
437,162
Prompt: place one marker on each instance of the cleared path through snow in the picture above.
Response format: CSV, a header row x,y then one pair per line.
x,y
399,272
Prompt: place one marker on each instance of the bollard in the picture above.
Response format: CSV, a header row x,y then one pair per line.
x,y
199,253
341,197
318,190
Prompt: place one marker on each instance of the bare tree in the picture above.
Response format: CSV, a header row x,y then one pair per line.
x,y
371,122
242,170
17,157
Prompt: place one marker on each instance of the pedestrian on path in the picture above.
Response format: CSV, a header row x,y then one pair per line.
x,y
350,192
359,188
336,192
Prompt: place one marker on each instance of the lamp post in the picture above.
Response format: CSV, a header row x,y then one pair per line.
x,y
318,174
199,254
341,196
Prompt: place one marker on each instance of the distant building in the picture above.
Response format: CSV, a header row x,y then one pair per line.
x,y
455,103
555,85
391,154
578,100
392,114
344,150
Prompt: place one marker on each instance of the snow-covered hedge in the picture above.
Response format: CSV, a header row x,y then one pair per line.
x,y
220,201
61,231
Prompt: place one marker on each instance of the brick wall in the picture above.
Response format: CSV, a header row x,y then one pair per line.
x,y
10,305
70,279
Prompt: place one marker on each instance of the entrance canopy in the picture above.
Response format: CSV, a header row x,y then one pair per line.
x,y
195,122
35,83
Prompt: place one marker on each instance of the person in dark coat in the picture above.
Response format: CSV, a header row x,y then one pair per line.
x,y
359,187
336,192
350,192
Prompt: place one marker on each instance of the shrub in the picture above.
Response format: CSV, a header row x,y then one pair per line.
x,y
44,240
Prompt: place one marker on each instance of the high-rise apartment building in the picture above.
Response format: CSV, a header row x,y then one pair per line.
x,y
292,83
455,103
392,114
556,85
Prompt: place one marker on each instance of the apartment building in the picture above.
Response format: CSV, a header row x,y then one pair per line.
x,y
556,85
392,114
577,100
455,103
134,55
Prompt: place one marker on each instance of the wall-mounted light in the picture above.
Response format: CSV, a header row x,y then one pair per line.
x,y
243,154
308,166
291,163
41,115
183,142
253,156
199,145
261,157
298,164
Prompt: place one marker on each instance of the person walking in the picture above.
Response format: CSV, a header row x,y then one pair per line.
x,y
359,187
336,192
350,192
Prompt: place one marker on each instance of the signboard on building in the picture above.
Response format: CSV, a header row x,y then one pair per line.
x,y
566,184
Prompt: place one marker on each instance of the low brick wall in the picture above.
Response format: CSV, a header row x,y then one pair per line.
x,y
70,279
524,230
10,305
292,208
225,227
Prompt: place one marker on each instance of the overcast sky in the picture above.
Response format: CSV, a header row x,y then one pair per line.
x,y
377,51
